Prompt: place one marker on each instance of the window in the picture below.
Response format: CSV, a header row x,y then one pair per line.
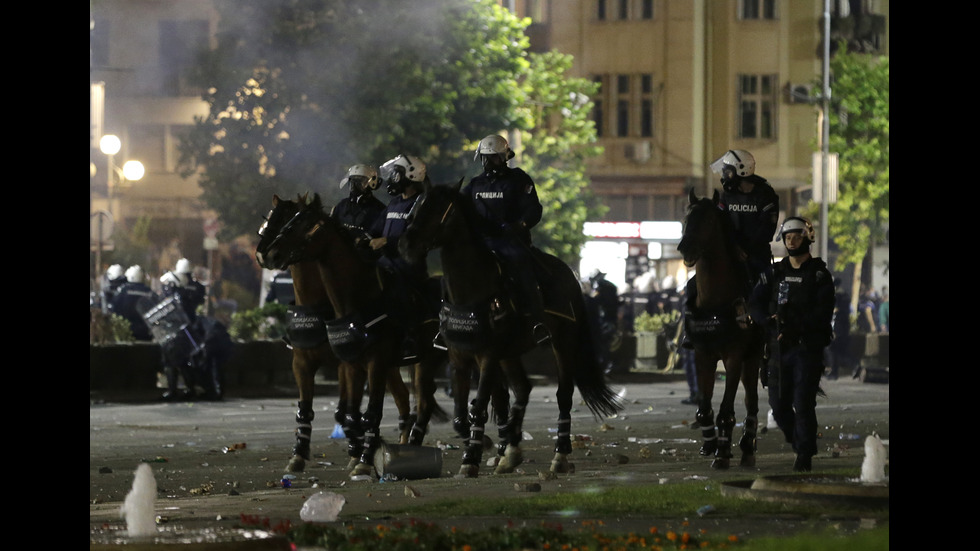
x,y
622,105
601,10
180,42
646,106
646,9
757,96
757,9
534,10
624,9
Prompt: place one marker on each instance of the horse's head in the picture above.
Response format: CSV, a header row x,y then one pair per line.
x,y
702,223
285,237
431,220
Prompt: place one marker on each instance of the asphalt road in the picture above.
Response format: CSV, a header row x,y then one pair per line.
x,y
215,461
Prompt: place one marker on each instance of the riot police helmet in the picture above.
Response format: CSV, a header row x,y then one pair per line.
x,y
114,272
134,274
398,173
493,151
361,178
735,164
801,225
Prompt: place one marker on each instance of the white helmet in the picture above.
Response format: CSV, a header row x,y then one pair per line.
x,y
115,271
183,266
494,144
797,223
397,172
367,175
170,278
741,160
134,274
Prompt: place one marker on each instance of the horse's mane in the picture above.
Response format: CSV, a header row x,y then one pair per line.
x,y
474,222
347,238
705,206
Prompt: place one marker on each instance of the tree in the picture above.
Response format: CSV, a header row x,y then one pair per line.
x,y
859,135
299,90
561,138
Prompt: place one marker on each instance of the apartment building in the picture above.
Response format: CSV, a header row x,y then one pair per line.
x,y
682,81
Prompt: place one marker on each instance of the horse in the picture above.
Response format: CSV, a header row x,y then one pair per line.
x,y
312,351
720,330
484,329
363,333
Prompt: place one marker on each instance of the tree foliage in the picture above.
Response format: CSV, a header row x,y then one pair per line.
x,y
561,139
299,90
859,135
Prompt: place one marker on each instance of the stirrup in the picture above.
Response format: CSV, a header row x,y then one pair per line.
x,y
540,333
439,342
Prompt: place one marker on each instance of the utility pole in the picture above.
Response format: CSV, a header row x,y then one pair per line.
x,y
825,133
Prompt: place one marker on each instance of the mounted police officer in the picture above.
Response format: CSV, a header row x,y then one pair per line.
x,y
130,294
359,211
753,206
505,197
754,209
799,306
405,180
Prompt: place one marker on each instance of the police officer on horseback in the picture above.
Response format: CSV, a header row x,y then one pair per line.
x,y
405,180
753,206
505,197
359,211
799,307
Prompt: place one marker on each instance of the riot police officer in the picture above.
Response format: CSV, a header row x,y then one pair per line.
x,y
405,180
176,355
130,294
799,296
113,280
753,206
359,211
505,197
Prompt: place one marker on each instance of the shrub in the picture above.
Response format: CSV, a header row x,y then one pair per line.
x,y
265,323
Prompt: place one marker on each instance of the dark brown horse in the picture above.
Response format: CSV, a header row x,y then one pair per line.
x,y
483,329
361,333
719,329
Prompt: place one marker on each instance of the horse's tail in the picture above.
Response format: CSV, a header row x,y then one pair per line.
x,y
589,372
439,415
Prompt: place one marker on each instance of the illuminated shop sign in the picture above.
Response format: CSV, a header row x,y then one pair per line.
x,y
663,231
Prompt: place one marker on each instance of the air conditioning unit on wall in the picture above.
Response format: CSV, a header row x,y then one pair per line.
x,y
638,151
799,93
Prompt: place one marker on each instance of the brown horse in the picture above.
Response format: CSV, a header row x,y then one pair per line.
x,y
362,333
483,329
312,351
719,329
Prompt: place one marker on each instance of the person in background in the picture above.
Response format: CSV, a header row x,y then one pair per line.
x,y
507,201
281,289
840,348
867,312
114,279
176,357
130,294
799,298
883,312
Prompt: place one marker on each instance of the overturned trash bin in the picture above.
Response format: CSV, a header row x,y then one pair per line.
x,y
403,462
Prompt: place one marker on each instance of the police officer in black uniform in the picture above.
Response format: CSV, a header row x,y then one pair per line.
x,y
128,296
281,289
176,359
405,180
507,200
359,211
799,296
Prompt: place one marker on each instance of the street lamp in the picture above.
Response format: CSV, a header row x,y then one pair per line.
x,y
131,170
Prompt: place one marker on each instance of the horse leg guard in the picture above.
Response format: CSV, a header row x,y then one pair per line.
x,y
304,428
416,436
709,440
563,446
355,436
473,452
748,443
371,424
723,455
406,423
